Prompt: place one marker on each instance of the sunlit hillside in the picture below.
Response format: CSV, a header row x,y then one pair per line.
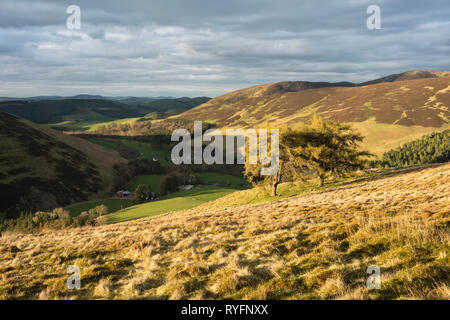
x,y
388,111
313,246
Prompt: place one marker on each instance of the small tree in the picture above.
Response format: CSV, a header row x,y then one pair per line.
x,y
142,193
101,210
193,178
102,220
169,183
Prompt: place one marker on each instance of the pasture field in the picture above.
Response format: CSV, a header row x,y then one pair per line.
x,y
95,126
176,201
84,122
112,204
152,180
222,179
148,150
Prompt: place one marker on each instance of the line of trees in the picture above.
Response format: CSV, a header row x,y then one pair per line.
x,y
55,219
432,148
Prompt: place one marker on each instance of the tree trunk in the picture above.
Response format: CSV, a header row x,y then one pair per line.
x,y
274,189
321,181
276,179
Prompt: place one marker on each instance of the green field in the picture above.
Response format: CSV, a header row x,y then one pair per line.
x,y
95,126
112,204
174,202
212,177
148,150
88,122
153,181
83,122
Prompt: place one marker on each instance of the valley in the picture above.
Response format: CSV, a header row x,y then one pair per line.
x,y
240,158
91,183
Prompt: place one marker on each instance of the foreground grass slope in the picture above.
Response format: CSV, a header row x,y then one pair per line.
x,y
314,246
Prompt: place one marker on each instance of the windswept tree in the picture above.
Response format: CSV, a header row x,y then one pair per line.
x,y
330,148
327,147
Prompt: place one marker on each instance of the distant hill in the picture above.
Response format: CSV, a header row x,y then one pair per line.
x,y
389,111
86,96
163,108
409,75
79,112
41,168
49,111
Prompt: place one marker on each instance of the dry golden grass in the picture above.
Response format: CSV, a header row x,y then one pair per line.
x,y
314,246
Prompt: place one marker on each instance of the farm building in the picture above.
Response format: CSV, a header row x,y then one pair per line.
x,y
124,193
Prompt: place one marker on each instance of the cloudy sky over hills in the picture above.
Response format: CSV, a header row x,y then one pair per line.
x,y
209,47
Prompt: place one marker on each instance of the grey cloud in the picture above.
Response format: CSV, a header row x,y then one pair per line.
x,y
209,47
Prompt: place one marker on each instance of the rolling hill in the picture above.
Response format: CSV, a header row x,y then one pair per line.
x,y
388,111
123,99
52,111
41,168
313,246
80,112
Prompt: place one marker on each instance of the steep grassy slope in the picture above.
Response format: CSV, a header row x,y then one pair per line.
x,y
41,168
313,246
412,103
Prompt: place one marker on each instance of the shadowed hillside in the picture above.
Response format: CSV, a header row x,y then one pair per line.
x,y
42,168
314,246
82,112
50,111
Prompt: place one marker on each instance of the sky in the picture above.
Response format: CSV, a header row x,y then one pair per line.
x,y
211,47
